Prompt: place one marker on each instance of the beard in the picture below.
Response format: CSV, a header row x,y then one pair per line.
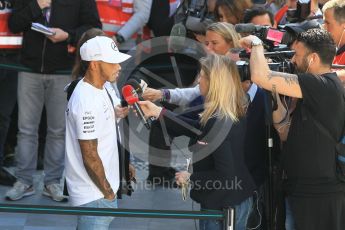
x,y
303,67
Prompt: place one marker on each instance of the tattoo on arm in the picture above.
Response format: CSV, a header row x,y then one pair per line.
x,y
289,78
94,166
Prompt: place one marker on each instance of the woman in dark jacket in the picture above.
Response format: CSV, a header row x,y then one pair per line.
x,y
220,177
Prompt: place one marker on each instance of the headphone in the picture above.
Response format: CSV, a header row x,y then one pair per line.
x,y
311,59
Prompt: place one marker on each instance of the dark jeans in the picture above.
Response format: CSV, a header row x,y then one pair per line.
x,y
242,212
8,98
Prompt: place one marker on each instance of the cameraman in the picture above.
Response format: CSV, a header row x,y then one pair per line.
x,y
315,195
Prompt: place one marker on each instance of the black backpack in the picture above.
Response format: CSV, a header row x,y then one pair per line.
x,y
70,88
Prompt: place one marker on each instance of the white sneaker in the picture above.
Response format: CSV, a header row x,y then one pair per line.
x,y
54,191
19,190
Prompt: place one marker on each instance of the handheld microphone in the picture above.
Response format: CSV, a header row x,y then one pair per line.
x,y
177,37
138,87
248,28
132,98
135,84
46,13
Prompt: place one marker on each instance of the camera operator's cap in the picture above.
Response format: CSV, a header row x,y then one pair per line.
x,y
102,48
297,28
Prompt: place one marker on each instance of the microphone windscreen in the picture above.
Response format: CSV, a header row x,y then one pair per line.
x,y
129,94
135,85
245,28
177,36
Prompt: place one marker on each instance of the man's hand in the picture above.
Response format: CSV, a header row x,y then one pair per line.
x,y
110,197
44,3
59,35
182,177
246,42
152,94
121,112
132,173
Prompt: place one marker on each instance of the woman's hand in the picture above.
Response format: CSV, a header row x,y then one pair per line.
x,y
152,94
150,109
182,177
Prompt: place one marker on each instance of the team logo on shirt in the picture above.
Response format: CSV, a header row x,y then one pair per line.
x,y
88,123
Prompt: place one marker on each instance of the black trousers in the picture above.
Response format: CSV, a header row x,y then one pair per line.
x,y
8,97
319,212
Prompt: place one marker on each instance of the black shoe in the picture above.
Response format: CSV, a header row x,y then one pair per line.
x,y
6,178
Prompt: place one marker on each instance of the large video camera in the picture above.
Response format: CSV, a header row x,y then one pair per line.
x,y
194,15
276,41
279,61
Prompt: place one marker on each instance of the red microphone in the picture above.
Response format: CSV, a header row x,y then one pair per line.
x,y
131,96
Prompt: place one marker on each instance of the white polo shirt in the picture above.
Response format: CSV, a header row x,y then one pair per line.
x,y
90,115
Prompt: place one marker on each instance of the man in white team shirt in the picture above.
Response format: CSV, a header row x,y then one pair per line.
x,y
92,163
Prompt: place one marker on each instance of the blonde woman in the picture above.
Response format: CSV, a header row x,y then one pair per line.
x,y
218,150
220,37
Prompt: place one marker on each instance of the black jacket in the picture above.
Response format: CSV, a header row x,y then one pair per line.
x,y
220,176
38,52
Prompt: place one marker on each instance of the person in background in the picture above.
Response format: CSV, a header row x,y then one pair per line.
x,y
10,45
125,20
231,11
259,16
334,17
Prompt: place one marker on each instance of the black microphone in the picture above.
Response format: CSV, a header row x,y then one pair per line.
x,y
46,13
131,97
136,85
248,28
177,37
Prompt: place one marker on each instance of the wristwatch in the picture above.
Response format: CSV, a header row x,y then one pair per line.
x,y
119,38
256,42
